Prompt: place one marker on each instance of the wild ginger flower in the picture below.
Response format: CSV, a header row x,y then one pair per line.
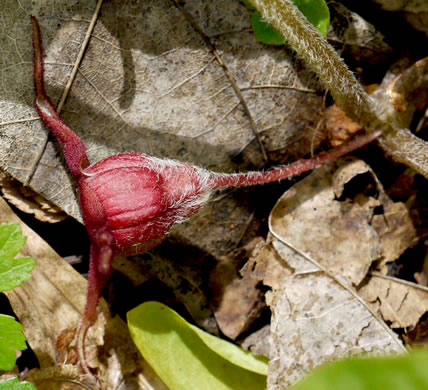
x,y
129,202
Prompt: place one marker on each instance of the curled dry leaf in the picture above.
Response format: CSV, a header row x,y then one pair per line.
x,y
356,36
409,90
312,218
28,201
400,304
336,212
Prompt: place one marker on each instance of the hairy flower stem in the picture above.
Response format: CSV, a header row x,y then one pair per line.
x,y
348,93
294,169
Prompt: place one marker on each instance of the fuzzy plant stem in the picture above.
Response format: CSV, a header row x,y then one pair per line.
x,y
294,169
348,93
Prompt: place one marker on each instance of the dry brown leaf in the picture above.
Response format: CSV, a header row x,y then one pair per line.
x,y
409,90
29,201
339,127
400,304
314,218
323,234
236,300
148,83
356,36
395,230
52,302
418,335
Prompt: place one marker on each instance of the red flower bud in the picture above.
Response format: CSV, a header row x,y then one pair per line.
x,y
137,198
129,202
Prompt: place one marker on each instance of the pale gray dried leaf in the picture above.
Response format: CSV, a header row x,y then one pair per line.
x,y
316,220
323,233
315,319
258,341
332,223
148,83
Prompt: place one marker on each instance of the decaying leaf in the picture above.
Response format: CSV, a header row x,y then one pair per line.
x,y
409,90
29,201
315,319
339,127
52,301
325,244
312,217
236,299
357,36
400,304
149,83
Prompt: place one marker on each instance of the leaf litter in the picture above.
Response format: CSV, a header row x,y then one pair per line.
x,y
286,269
325,238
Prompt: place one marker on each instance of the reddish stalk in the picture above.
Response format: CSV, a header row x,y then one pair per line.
x,y
294,169
73,147
129,202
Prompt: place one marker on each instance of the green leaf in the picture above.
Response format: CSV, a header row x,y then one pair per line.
x,y
15,384
407,372
316,11
13,271
185,357
11,340
265,32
